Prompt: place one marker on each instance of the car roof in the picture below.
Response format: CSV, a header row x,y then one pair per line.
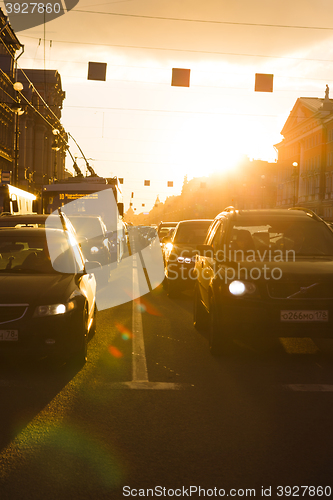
x,y
13,220
83,216
297,212
192,221
22,231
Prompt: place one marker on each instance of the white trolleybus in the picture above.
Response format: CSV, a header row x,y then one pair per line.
x,y
84,194
16,201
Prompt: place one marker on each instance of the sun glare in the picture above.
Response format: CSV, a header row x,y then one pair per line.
x,y
205,145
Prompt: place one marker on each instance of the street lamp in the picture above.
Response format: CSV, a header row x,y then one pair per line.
x,y
294,175
263,188
17,109
55,146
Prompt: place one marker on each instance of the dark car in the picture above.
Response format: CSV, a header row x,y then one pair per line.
x,y
47,298
92,234
264,273
57,219
16,220
179,253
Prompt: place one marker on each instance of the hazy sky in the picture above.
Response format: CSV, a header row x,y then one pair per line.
x,y
136,126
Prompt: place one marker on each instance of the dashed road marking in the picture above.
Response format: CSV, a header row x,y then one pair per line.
x,y
139,364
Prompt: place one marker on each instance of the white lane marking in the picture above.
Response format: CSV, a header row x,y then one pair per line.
x,y
298,345
309,387
148,385
139,364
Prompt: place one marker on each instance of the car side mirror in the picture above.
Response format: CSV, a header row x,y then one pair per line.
x,y
206,250
91,265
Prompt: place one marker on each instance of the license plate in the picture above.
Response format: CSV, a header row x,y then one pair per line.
x,y
304,316
8,335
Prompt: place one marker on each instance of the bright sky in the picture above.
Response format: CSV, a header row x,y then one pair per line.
x,y
136,126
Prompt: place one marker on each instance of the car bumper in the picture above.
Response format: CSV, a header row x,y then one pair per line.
x,y
54,335
278,318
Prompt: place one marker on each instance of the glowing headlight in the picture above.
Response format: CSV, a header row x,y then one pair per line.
x,y
169,246
180,259
187,260
239,288
94,250
54,309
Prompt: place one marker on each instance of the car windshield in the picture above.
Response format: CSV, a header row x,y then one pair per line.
x,y
30,254
88,227
265,238
164,231
192,232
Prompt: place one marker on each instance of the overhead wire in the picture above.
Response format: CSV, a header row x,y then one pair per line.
x,y
74,42
205,21
39,95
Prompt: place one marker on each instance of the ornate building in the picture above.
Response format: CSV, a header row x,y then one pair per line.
x,y
40,160
28,148
305,157
9,45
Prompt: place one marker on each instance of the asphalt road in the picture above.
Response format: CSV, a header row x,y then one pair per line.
x,y
159,411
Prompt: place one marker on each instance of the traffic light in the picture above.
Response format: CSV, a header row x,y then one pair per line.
x,y
263,82
180,77
97,71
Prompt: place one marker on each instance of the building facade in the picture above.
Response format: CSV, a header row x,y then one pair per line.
x,y
40,160
9,47
28,148
305,157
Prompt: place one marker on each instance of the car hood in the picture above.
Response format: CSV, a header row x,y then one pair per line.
x,y
185,248
32,289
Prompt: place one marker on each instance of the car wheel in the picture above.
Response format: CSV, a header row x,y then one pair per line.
x,y
219,341
200,316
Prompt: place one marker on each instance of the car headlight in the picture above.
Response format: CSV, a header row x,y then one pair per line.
x,y
187,260
54,309
94,250
239,288
169,246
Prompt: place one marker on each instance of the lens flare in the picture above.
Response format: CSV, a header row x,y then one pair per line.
x,y
145,306
141,308
115,352
126,334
